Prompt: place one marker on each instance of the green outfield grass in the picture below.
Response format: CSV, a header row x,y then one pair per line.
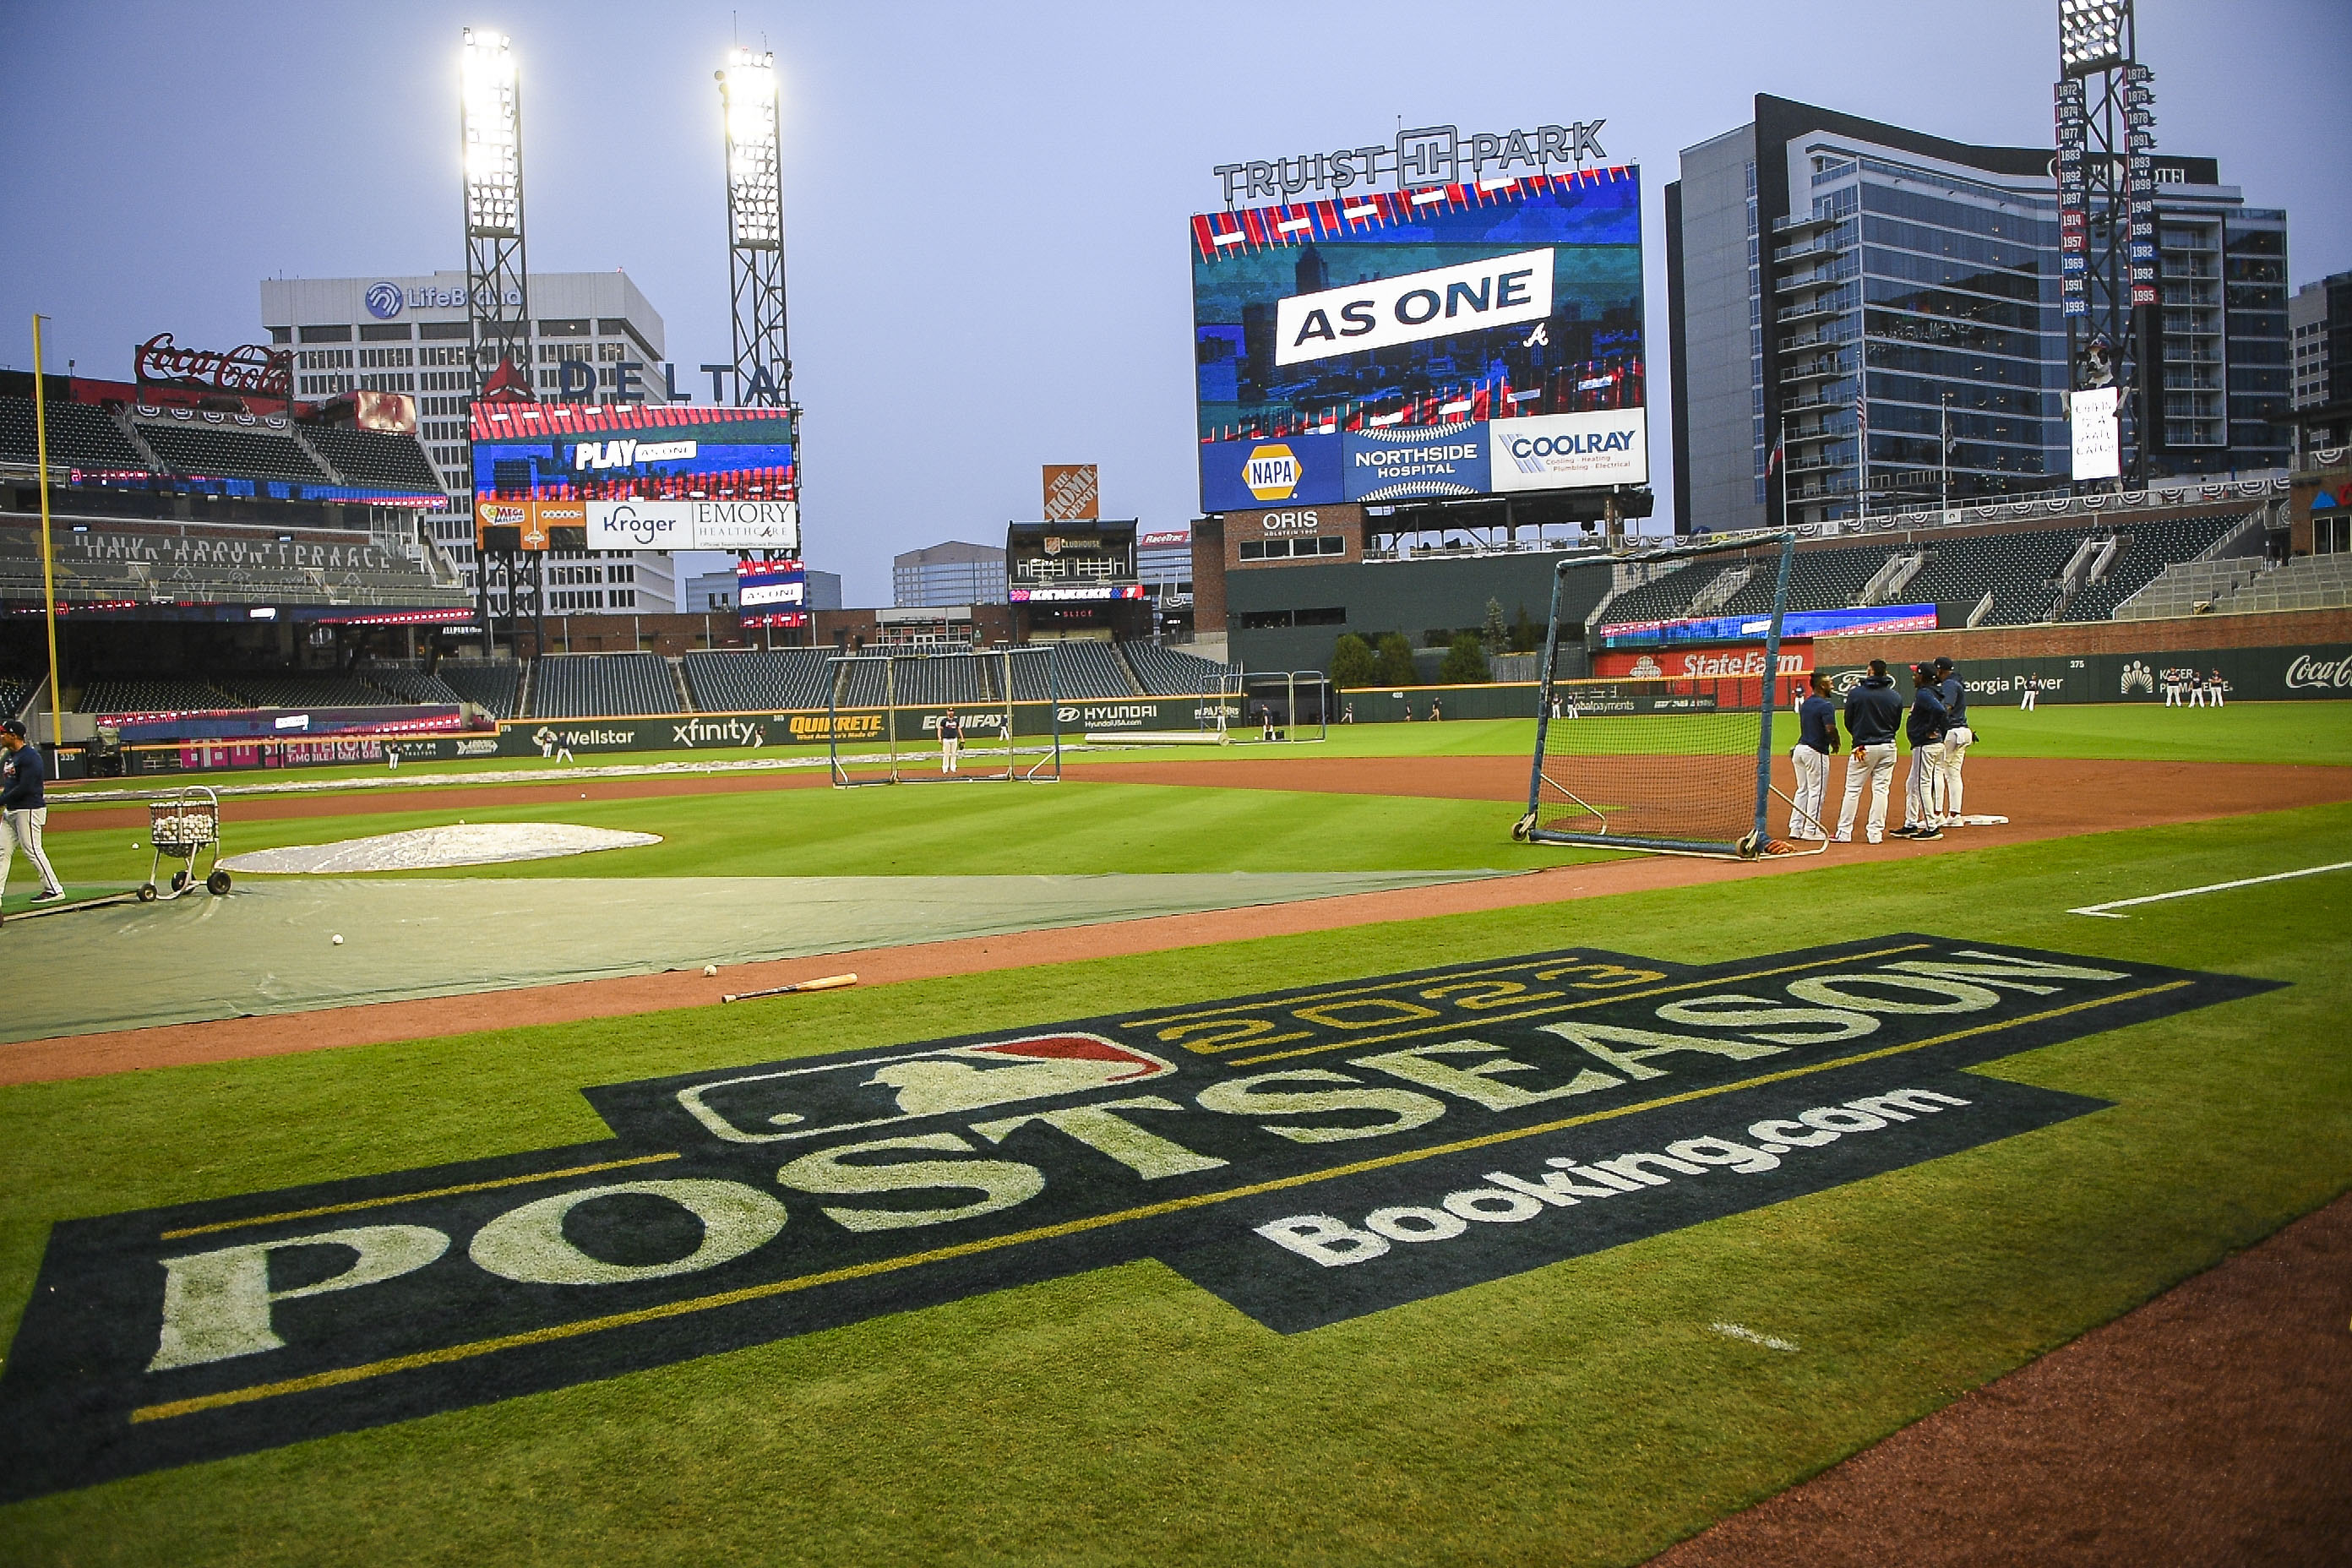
x,y
1067,829
2242,732
1579,1414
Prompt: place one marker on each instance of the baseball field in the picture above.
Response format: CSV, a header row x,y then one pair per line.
x,y
1245,1155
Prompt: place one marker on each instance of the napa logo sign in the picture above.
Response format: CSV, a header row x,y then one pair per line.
x,y
1548,451
1309,1156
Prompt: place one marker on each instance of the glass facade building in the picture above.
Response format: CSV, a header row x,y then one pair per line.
x,y
1864,318
954,572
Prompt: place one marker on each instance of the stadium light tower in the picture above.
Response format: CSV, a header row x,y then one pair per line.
x,y
755,229
490,130
498,291
2106,217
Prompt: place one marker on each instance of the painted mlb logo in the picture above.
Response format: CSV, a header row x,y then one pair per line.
x,y
1308,1156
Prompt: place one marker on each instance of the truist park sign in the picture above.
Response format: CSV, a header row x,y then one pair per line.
x,y
1429,156
1309,1156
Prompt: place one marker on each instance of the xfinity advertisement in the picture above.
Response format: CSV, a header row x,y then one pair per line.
x,y
1416,329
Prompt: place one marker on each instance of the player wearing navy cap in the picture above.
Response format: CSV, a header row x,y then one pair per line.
x,y
1872,713
1958,736
1817,742
1923,727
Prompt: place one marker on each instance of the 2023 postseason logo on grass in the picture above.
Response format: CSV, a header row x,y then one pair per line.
x,y
1309,1155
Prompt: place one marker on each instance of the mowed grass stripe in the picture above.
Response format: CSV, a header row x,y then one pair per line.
x,y
450,1353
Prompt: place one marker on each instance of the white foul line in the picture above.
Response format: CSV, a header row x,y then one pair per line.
x,y
2101,909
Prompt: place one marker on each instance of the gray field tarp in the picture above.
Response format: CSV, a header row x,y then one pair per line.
x,y
268,948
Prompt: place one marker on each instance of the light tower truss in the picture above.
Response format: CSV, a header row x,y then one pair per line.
x,y
490,133
2106,217
755,230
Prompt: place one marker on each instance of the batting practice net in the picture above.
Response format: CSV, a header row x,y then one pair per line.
x,y
1675,762
885,710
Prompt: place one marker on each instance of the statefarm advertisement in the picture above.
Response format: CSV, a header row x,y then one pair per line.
x,y
1463,340
640,477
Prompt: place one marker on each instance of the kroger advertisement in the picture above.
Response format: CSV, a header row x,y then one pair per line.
x,y
1457,340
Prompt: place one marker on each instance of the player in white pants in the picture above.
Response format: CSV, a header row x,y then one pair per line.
x,y
1958,736
1817,739
1923,806
2033,684
25,809
950,740
2214,684
2171,689
1872,713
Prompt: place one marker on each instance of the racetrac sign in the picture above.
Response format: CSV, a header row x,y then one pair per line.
x,y
1309,1156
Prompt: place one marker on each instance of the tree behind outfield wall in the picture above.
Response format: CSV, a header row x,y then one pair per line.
x,y
1494,636
1465,662
1353,663
1395,666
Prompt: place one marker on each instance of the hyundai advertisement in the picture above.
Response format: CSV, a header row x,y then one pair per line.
x,y
1463,340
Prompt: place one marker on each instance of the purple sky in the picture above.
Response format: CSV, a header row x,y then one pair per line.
x,y
985,205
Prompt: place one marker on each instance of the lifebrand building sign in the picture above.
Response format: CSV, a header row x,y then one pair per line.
x,y
1309,1156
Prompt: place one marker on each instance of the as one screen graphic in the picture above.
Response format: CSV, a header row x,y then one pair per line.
x,y
1329,334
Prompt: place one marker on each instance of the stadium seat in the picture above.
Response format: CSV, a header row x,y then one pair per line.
x,y
1662,598
153,695
406,682
1090,671
747,680
1167,672
1818,579
2018,570
495,684
368,458
602,686
276,689
214,451
80,436
2149,547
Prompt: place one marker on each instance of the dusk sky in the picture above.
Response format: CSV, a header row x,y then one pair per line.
x,y
985,206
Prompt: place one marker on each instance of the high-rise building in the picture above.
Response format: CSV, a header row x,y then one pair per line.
x,y
597,340
2320,318
1884,306
954,572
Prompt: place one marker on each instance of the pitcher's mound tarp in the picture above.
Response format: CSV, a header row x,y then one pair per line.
x,y
268,947
436,848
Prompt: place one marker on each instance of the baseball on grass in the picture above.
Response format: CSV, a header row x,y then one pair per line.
x,y
709,970
338,939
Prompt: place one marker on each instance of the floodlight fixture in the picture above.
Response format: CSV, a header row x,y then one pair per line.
x,y
755,198
755,227
491,117
2091,34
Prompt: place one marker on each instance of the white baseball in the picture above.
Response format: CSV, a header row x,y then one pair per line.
x,y
709,970
338,940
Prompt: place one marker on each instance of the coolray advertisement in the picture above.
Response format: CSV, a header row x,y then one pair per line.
x,y
610,452
1550,450
694,525
1464,304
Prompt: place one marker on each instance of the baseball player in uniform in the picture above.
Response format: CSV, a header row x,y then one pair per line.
x,y
2214,684
2172,682
950,740
2033,684
1923,727
1958,736
24,810
1872,713
1817,742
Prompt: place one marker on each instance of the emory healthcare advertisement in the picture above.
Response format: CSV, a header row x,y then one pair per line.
x,y
1391,344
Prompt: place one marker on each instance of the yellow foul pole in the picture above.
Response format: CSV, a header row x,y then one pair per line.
x,y
49,553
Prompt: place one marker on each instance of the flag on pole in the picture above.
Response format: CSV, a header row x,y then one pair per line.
x,y
1772,463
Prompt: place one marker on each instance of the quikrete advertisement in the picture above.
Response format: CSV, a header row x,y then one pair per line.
x,y
1309,1155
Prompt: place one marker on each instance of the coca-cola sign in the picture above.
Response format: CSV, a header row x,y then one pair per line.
x,y
248,371
2309,674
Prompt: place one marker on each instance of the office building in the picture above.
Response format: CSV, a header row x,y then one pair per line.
x,y
1807,239
2320,318
597,340
951,573
823,590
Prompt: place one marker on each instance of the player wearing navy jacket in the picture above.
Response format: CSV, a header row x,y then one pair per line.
x,y
1923,727
1872,713
1817,742
1958,736
24,809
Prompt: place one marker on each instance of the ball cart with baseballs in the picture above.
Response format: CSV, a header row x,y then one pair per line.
x,y
183,829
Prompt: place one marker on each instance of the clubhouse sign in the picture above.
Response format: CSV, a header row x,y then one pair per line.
x,y
1309,1156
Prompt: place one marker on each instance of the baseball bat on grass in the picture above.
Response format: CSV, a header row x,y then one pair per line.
x,y
830,982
